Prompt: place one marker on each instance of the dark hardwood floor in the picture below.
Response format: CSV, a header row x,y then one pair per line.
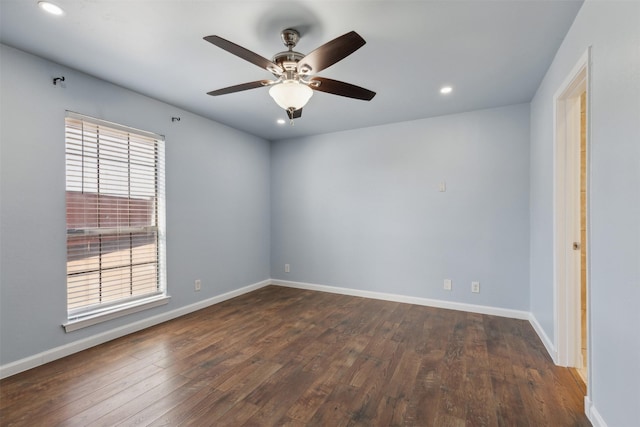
x,y
290,357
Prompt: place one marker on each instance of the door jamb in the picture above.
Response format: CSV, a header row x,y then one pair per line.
x,y
567,325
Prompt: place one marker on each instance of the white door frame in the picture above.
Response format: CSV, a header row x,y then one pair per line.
x,y
567,324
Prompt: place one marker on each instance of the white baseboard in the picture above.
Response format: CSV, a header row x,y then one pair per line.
x,y
472,308
548,344
592,413
83,344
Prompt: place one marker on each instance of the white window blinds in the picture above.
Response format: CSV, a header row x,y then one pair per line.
x,y
115,215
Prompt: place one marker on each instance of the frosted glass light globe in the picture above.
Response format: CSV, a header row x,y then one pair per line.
x,y
291,94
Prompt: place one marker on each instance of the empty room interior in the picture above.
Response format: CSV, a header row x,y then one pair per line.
x,y
251,213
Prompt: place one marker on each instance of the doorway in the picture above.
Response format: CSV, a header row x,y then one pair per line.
x,y
571,230
582,368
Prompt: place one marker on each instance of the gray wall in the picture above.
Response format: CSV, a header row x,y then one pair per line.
x,y
217,182
613,30
361,209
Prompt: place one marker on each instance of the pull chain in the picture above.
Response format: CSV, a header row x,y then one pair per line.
x,y
290,112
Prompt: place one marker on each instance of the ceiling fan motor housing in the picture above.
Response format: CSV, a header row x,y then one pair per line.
x,y
288,60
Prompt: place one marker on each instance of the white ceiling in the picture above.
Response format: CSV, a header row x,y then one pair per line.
x,y
493,53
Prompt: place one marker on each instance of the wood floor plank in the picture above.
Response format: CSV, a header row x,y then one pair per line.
x,y
148,398
478,389
175,398
425,401
49,377
290,357
278,393
71,390
334,411
326,373
104,404
508,402
188,409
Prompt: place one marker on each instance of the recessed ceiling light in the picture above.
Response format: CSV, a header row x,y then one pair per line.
x,y
50,7
446,89
281,121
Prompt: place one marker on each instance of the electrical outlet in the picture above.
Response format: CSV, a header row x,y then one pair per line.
x,y
198,285
447,284
475,287
287,268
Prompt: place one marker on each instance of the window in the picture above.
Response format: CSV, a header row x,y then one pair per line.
x,y
115,220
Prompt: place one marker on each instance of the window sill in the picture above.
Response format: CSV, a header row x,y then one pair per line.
x,y
117,311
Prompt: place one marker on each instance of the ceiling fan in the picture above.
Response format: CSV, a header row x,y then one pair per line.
x,y
295,73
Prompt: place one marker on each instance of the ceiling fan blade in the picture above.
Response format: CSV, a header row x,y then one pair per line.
x,y
240,87
330,53
295,114
245,54
336,87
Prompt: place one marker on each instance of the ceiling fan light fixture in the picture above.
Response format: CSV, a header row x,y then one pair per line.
x,y
291,94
